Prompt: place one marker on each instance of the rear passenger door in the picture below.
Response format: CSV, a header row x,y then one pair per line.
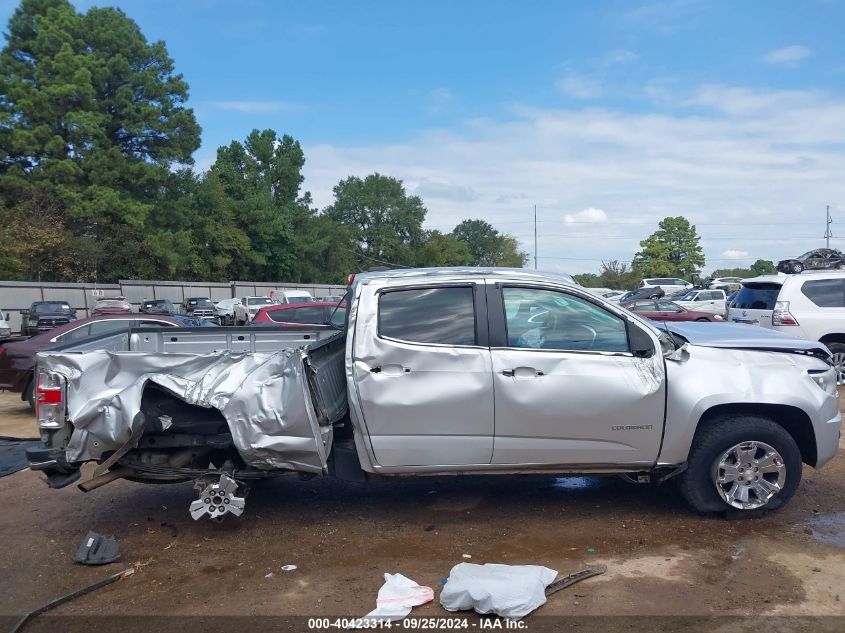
x,y
423,375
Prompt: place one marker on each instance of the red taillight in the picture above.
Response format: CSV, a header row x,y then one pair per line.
x,y
50,399
781,314
642,284
350,279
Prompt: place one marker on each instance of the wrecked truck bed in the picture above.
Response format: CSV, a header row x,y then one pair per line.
x,y
248,401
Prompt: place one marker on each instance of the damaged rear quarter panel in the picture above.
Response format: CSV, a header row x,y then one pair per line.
x,y
263,396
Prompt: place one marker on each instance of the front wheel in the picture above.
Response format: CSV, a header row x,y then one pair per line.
x,y
703,320
797,267
837,351
29,393
741,462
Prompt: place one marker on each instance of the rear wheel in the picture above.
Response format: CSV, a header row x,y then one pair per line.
x,y
741,462
797,267
29,394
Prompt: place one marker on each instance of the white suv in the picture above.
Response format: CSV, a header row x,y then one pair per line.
x,y
670,285
809,305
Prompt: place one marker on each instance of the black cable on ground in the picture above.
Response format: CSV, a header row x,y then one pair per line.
x,y
71,596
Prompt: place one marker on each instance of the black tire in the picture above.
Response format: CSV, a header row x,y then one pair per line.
x,y
29,393
697,483
703,320
797,267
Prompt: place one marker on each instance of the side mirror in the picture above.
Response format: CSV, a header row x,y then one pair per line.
x,y
8,316
641,343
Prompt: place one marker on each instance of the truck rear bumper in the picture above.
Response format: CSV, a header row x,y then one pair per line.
x,y
53,463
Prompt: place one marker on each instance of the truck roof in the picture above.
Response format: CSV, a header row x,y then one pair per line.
x,y
465,271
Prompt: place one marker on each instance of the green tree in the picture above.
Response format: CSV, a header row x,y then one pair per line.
x,y
588,280
487,246
93,117
384,222
763,267
618,275
439,249
672,250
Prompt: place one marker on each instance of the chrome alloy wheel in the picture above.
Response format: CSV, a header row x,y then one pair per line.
x,y
839,364
749,474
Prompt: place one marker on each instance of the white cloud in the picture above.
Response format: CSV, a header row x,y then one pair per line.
x,y
739,163
789,56
734,254
588,215
440,100
255,107
579,86
619,56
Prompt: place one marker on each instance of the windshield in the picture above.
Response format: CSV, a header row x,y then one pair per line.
x,y
757,297
689,296
259,301
199,303
53,306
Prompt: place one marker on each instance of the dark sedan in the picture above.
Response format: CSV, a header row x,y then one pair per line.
x,y
17,358
819,259
664,310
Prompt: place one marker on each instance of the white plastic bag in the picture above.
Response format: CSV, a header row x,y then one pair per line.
x,y
510,591
396,597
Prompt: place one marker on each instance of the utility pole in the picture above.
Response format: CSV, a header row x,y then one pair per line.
x,y
535,237
827,232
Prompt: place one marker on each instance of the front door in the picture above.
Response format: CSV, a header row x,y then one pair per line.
x,y
423,374
568,389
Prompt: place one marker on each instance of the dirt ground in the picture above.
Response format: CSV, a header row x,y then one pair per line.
x,y
662,560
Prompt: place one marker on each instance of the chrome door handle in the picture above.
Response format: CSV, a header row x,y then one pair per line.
x,y
507,372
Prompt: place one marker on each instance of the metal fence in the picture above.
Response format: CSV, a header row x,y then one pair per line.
x,y
17,296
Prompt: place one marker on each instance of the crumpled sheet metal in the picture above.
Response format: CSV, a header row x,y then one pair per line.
x,y
263,396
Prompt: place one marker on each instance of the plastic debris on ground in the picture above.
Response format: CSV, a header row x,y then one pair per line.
x,y
96,549
288,567
397,596
509,591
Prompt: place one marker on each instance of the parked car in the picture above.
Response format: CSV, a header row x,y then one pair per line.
x,y
43,316
200,308
713,301
665,310
158,306
17,359
248,307
280,295
728,284
648,292
5,325
315,312
449,371
613,295
819,259
332,298
810,307
226,311
112,305
670,285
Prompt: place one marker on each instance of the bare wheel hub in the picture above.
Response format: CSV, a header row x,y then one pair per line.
x,y
217,498
749,474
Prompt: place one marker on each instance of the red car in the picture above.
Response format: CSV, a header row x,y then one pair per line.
x,y
17,358
665,310
313,313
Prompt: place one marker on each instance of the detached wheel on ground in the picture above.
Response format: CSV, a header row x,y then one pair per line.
x,y
837,351
741,462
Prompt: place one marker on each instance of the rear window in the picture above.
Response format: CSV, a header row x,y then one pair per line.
x,y
825,293
259,301
443,316
757,297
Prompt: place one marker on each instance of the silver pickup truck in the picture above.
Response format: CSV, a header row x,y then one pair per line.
x,y
461,370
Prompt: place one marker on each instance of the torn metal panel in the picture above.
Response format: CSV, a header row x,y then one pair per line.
x,y
264,398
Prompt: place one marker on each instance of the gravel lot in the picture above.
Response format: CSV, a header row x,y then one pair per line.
x,y
661,559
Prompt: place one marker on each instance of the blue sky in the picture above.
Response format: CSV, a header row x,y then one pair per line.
x,y
607,115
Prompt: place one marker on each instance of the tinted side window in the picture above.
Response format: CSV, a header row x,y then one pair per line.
x,y
311,315
825,293
101,327
431,315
